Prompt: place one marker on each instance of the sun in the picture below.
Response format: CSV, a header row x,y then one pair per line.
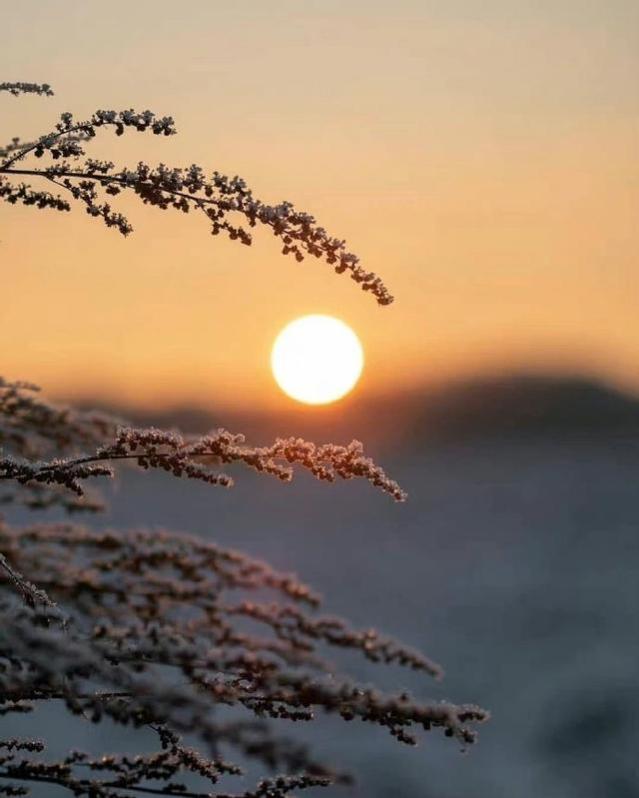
x,y
317,359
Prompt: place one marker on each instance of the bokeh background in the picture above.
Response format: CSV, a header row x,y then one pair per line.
x,y
482,157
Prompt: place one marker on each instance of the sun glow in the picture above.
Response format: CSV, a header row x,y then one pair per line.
x,y
317,359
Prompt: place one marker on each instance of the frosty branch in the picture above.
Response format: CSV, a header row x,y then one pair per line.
x,y
220,199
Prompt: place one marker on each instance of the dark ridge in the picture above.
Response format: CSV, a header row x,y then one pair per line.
x,y
525,405
509,407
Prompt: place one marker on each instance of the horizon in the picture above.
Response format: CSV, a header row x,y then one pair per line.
x,y
356,398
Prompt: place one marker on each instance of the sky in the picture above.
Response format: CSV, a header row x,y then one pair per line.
x,y
481,156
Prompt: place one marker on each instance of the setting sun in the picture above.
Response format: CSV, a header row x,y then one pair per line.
x,y
317,359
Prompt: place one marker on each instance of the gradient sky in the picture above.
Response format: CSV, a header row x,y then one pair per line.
x,y
481,155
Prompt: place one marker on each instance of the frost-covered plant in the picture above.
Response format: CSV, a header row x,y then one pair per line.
x,y
221,199
156,630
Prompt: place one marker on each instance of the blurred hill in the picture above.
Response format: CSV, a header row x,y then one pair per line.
x,y
527,405
497,408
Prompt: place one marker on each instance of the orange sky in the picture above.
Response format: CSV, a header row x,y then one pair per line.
x,y
482,156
